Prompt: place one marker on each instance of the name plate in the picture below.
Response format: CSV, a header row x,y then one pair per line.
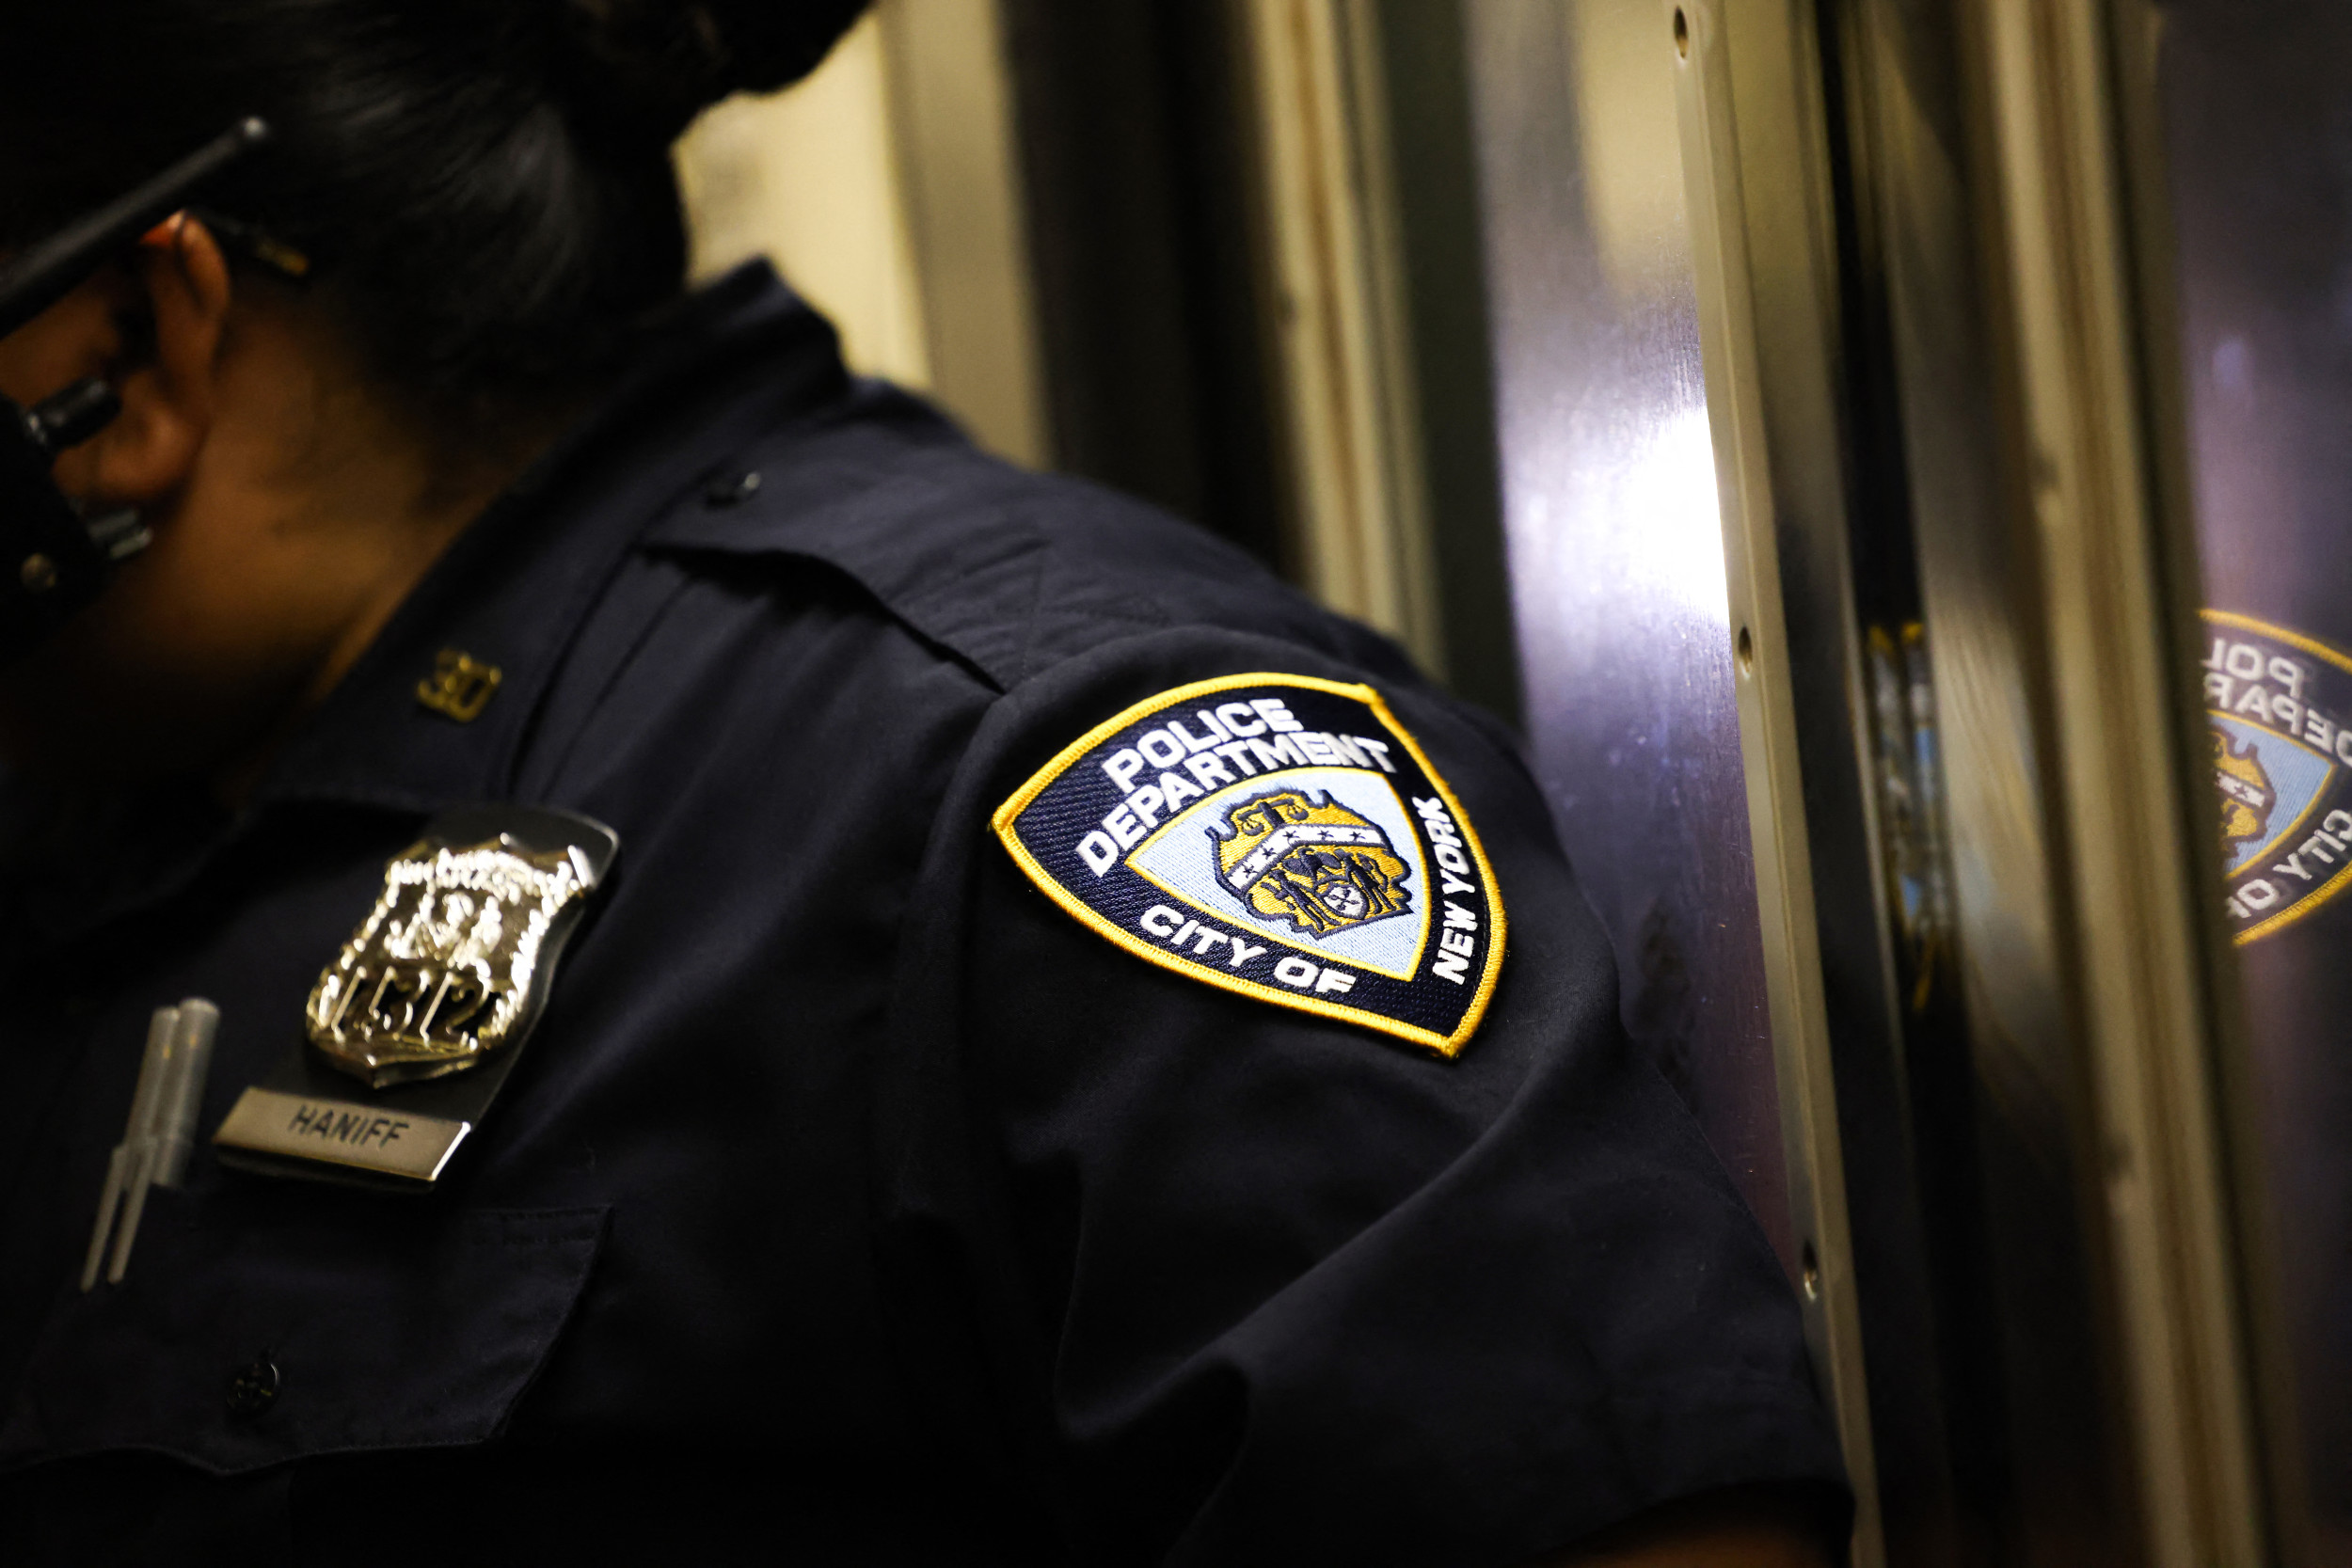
x,y
375,1139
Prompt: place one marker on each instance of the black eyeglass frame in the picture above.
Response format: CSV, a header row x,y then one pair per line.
x,y
252,242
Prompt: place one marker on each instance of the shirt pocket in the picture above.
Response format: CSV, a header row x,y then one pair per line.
x,y
304,1322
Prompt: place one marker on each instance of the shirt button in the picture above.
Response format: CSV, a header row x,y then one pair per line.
x,y
734,490
253,1389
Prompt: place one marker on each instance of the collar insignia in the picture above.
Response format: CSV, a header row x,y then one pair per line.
x,y
460,686
2278,702
1278,836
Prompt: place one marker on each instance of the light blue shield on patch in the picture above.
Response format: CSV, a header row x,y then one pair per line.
x,y
2270,779
1182,858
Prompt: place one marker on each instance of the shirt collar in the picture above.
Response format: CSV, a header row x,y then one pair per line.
x,y
734,361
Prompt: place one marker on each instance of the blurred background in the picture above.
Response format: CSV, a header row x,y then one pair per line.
x,y
1163,243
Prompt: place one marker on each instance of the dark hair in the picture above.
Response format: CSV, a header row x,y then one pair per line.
x,y
485,184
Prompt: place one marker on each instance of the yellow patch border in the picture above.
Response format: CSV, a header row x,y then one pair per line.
x,y
1445,1045
2311,902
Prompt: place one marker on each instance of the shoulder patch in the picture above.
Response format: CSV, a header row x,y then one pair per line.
x,y
1280,836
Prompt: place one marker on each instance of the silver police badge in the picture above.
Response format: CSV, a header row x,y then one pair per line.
x,y
450,965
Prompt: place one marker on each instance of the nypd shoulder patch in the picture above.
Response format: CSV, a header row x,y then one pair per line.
x,y
1275,835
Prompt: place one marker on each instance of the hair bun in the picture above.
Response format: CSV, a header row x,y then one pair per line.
x,y
659,63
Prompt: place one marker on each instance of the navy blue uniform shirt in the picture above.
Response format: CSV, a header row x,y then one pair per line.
x,y
853,1202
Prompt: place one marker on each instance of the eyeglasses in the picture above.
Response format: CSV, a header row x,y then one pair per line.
x,y
253,243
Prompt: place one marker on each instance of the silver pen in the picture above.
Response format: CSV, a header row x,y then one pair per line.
x,y
196,1025
161,1135
134,1137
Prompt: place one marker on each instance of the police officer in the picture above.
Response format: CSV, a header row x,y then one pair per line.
x,y
952,1019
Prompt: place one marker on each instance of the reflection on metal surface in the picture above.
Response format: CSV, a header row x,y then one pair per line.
x,y
1667,481
1616,551
2256,104
1909,775
2279,766
2020,1389
2057,598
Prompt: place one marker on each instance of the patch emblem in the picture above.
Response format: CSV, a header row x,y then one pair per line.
x,y
2282,765
1275,835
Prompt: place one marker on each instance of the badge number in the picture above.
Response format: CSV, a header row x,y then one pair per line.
x,y
443,969
1278,836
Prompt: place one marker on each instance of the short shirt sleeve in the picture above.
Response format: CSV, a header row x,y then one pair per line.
x,y
1423,1264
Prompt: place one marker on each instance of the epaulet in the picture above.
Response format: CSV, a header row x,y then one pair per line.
x,y
1009,570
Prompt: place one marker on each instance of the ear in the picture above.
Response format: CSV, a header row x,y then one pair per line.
x,y
171,392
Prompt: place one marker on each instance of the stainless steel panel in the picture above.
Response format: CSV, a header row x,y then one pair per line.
x,y
1615,546
2257,109
2001,1118
2005,212
1927,227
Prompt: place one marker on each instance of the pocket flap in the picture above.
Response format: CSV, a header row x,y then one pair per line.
x,y
396,1326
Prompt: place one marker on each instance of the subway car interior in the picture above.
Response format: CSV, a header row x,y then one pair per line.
x,y
1879,454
